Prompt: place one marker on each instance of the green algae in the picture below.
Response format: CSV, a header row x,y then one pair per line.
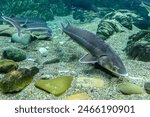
x,y
56,86
7,65
15,81
129,88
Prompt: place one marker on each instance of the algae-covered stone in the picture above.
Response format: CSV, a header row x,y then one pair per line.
x,y
14,53
89,82
14,81
129,88
7,65
147,87
56,86
17,80
78,96
106,28
138,46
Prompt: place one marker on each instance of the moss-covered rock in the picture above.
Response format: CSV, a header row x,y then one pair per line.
x,y
138,46
56,86
17,80
14,53
124,20
129,88
7,65
106,28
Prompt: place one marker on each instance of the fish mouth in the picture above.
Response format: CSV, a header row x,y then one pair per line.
x,y
123,75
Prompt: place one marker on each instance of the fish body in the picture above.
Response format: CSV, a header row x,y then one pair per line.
x,y
13,22
25,20
99,51
41,27
147,7
29,26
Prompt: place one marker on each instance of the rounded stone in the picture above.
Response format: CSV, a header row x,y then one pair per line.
x,y
14,53
129,88
24,39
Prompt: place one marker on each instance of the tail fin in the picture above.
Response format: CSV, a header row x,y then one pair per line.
x,y
14,23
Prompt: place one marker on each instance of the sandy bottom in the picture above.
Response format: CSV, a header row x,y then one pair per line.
x,y
139,72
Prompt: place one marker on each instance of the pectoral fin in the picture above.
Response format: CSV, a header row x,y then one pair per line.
x,y
88,58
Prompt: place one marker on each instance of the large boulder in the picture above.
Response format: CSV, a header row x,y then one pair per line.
x,y
138,46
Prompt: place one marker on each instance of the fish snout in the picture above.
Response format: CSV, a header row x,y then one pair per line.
x,y
114,66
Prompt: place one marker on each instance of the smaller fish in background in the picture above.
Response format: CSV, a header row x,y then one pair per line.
x,y
27,25
147,7
38,27
13,22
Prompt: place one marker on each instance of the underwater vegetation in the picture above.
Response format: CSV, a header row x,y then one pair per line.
x,y
7,66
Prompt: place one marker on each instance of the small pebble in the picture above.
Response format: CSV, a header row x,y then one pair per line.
x,y
43,51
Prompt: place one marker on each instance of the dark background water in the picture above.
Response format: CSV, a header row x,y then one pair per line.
x,y
48,9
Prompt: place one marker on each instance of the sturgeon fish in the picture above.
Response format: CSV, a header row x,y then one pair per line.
x,y
33,27
98,51
14,23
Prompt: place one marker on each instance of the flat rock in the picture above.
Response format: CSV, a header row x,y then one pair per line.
x,y
89,82
56,86
78,96
16,80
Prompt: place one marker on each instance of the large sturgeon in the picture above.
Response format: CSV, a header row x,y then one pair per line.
x,y
99,51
